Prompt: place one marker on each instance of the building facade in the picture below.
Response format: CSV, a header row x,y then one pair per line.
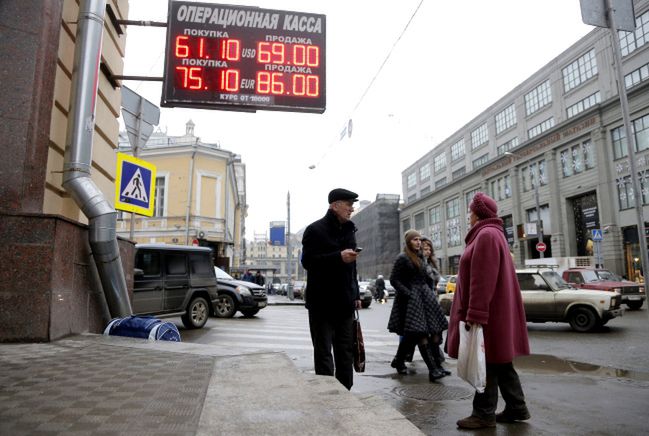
x,y
262,253
200,196
46,259
559,134
378,235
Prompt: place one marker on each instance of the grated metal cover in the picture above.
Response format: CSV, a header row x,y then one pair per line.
x,y
433,392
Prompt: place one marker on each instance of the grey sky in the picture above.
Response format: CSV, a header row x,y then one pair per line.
x,y
455,60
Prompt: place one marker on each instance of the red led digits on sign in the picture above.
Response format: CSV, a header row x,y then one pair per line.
x,y
208,48
191,77
300,54
230,49
301,85
230,80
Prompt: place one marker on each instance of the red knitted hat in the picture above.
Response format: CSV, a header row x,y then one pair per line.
x,y
484,206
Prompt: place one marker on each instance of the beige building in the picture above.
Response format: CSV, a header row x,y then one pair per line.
x,y
200,195
46,259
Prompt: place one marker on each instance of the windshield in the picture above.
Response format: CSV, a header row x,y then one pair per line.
x,y
555,280
589,276
220,274
607,275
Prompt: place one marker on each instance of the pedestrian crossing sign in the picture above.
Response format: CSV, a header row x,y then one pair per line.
x,y
597,235
134,185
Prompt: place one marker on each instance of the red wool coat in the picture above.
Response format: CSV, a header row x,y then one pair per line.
x,y
488,293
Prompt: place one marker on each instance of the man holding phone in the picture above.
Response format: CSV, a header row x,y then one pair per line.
x,y
329,255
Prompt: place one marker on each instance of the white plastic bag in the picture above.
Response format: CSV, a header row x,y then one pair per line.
x,y
471,362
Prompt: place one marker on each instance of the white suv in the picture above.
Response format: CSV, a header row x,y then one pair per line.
x,y
548,298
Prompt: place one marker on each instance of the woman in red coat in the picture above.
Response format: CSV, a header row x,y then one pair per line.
x,y
488,294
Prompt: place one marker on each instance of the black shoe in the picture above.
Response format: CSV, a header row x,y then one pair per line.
x,y
399,366
435,374
445,371
508,415
474,422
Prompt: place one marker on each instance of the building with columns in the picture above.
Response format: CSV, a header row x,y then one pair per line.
x,y
559,134
200,195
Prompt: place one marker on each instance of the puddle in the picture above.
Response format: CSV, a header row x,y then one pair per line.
x,y
545,363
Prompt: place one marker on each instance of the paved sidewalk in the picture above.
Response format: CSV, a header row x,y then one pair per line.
x,y
282,300
98,385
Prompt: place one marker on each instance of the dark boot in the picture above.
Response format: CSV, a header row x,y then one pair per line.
x,y
434,373
398,362
436,351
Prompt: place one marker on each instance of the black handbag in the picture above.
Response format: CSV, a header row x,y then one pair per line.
x,y
358,347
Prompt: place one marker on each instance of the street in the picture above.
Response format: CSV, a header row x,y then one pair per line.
x,y
581,375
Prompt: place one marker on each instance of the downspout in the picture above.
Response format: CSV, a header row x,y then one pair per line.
x,y
78,158
190,193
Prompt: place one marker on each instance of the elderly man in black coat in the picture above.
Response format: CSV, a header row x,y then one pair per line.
x,y
329,256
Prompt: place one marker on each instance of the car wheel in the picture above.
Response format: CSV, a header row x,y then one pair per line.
x,y
197,313
583,319
635,305
225,307
250,312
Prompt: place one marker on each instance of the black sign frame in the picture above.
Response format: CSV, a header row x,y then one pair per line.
x,y
292,68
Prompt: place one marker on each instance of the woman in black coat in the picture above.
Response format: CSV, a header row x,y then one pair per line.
x,y
413,313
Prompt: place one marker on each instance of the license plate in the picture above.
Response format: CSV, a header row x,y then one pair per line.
x,y
634,297
261,304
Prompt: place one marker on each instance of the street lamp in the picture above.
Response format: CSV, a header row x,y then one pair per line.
x,y
539,230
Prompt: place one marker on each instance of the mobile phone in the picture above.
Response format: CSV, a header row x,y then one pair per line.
x,y
358,249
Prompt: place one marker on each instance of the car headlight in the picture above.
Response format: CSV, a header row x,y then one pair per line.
x,y
613,302
617,290
243,291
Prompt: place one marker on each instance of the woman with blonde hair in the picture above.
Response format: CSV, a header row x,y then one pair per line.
x,y
412,315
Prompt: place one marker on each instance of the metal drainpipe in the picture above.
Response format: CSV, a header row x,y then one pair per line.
x,y
78,157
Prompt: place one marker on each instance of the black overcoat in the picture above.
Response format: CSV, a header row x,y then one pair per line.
x,y
415,309
331,284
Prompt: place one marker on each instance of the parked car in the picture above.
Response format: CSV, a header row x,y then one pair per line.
x,y
172,280
246,297
548,298
389,288
451,284
633,295
365,291
441,285
298,289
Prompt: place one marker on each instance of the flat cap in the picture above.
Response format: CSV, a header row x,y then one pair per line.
x,y
342,194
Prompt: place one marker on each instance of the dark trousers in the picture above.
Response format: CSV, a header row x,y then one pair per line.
x,y
503,376
327,332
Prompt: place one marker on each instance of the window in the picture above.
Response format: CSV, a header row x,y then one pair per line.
x,y
439,162
412,180
176,264
577,158
625,193
419,221
412,197
477,163
479,136
579,71
540,128
200,265
468,196
506,119
631,41
148,262
532,174
459,173
439,183
512,143
424,190
434,215
159,196
405,225
636,76
453,208
538,98
583,105
640,129
424,172
457,150
501,188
